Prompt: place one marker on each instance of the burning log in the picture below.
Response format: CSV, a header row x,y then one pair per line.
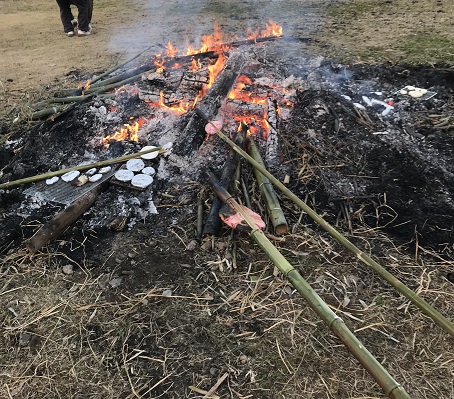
x,y
193,135
62,220
269,196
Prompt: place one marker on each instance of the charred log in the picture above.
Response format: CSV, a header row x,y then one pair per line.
x,y
213,223
193,134
62,220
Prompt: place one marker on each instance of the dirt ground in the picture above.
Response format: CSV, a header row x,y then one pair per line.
x,y
37,57
138,314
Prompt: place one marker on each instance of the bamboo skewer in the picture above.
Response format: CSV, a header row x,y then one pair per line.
x,y
269,196
391,388
427,309
43,176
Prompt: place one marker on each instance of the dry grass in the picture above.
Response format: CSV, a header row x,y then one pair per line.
x,y
73,336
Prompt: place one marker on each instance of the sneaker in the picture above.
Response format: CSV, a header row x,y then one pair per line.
x,y
84,33
74,22
70,33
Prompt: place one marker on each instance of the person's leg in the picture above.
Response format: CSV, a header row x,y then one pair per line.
x,y
66,15
82,7
90,10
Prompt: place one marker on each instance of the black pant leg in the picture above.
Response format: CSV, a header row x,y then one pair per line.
x,y
66,15
90,10
82,18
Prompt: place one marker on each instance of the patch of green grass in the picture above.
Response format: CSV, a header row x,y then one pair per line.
x,y
431,48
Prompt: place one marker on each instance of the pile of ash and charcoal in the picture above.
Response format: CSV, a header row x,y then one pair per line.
x,y
363,145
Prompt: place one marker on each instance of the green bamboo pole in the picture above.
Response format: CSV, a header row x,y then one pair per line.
x,y
391,388
427,309
43,176
115,68
76,99
119,78
269,196
46,112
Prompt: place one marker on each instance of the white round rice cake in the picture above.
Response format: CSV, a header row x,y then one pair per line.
x,y
95,178
135,165
415,94
124,175
149,170
90,172
150,155
70,176
141,180
105,169
52,180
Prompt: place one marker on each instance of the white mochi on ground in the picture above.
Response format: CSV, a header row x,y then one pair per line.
x,y
141,180
124,175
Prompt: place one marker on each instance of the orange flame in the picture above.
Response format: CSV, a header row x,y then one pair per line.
x,y
253,124
160,65
272,29
195,65
238,94
171,50
128,132
181,108
83,86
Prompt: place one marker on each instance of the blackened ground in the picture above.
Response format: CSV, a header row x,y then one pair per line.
x,y
397,182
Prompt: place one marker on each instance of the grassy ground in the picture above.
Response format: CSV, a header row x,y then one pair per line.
x,y
398,31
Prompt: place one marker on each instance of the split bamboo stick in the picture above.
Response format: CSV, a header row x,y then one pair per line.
x,y
43,176
269,195
390,386
426,308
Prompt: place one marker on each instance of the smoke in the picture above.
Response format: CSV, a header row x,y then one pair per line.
x,y
157,22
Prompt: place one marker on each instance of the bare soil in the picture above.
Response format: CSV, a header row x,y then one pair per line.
x,y
146,315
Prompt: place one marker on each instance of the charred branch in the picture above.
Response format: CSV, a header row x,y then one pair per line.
x,y
62,220
193,134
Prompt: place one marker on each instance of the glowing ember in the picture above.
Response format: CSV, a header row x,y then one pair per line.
x,y
254,126
183,107
238,94
131,90
127,132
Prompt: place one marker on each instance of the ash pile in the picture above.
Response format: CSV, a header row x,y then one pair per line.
x,y
367,145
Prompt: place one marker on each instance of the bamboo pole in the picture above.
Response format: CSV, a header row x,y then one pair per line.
x,y
43,176
427,309
78,99
115,68
391,388
269,196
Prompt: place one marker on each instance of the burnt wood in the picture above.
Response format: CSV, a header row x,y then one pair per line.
x,y
213,223
193,134
62,220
